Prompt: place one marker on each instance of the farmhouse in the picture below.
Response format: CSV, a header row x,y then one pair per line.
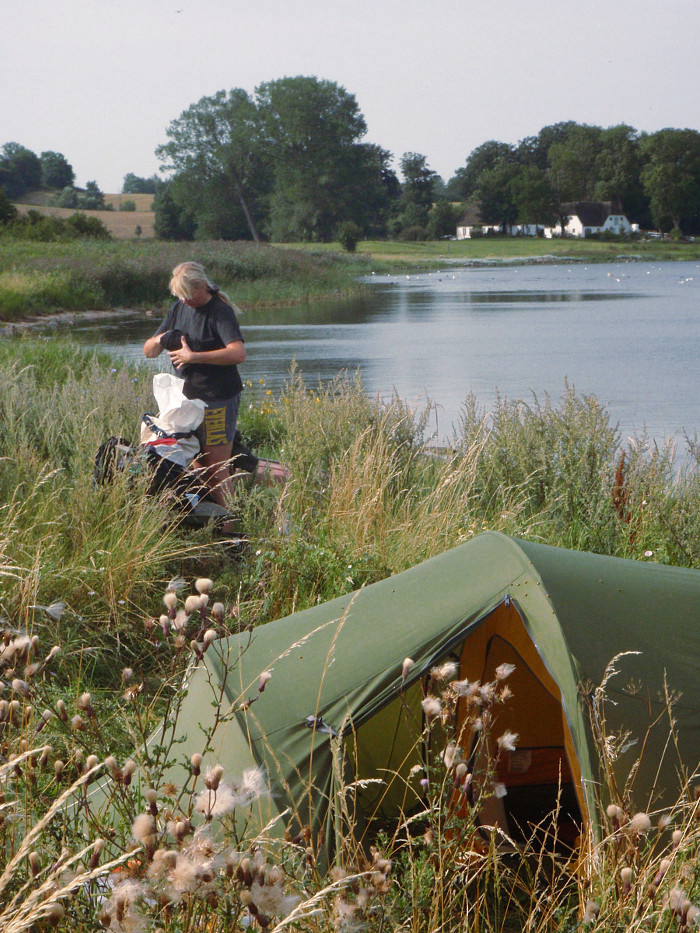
x,y
588,217
470,225
584,218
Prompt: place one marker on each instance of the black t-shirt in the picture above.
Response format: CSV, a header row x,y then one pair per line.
x,y
210,327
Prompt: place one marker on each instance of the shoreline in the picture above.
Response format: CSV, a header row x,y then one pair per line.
x,y
65,319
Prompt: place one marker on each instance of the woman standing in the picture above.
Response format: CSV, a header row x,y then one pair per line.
x,y
205,345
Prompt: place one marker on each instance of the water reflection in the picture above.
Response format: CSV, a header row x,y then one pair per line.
x,y
628,333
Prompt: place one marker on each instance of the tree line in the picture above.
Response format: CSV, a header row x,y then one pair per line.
x,y
289,162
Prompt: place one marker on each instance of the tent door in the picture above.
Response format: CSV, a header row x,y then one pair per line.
x,y
537,775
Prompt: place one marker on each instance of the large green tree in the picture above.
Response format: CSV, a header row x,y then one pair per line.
x,y
671,178
484,158
618,172
496,194
312,133
134,184
218,156
56,171
572,163
20,170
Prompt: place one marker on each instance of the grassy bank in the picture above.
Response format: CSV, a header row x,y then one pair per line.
x,y
84,568
376,254
40,278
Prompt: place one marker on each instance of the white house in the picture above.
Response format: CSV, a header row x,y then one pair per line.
x,y
588,217
584,219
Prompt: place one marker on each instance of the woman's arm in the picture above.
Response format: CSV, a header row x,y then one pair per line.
x,y
153,347
233,352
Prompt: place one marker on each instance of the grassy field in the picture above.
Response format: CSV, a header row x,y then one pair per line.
x,y
513,249
84,568
121,224
42,278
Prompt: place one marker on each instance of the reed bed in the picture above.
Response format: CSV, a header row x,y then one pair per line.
x,y
93,653
39,278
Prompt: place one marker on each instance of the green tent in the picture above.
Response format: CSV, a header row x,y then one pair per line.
x,y
336,703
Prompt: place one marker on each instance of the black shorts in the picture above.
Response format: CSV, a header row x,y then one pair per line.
x,y
219,425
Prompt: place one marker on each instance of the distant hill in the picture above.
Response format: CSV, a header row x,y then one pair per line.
x,y
121,224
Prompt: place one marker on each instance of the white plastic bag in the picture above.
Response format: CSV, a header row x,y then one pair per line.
x,y
170,433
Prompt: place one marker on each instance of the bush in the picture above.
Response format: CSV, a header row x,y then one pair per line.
x,y
349,235
127,205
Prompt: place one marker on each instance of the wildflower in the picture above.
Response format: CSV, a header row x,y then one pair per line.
x,y
127,675
85,703
452,755
445,672
58,767
77,723
406,667
92,762
676,899
664,866
164,860
487,693
98,848
663,823
503,671
213,777
640,823
34,863
196,867
151,796
432,707
170,600
21,687
111,764
271,899
143,829
128,771
676,837
45,717
193,604
507,741
179,621
615,815
218,611
264,678
196,762
591,912
203,585
648,553
121,907
499,790
626,874
208,637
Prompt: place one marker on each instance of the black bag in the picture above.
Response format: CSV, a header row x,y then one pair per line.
x,y
111,458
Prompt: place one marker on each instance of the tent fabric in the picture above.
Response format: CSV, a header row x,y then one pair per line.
x,y
336,667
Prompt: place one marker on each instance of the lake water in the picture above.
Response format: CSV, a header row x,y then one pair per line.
x,y
628,333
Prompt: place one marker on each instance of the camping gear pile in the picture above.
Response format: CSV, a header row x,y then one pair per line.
x,y
167,452
341,706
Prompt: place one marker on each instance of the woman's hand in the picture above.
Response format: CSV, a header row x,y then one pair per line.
x,y
183,355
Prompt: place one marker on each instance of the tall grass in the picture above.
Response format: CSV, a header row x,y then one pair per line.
x,y
83,567
183,849
36,278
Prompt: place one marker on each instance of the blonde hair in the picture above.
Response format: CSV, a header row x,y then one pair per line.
x,y
191,275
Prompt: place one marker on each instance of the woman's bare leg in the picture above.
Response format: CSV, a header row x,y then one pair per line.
x,y
215,466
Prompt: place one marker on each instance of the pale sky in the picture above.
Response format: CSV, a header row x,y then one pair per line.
x,y
100,80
